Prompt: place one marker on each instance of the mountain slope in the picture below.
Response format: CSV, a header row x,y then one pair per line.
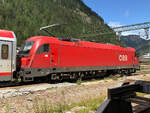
x,y
25,17
142,46
133,41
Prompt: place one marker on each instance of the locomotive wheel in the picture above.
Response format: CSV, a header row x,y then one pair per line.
x,y
60,77
21,80
80,76
49,80
73,76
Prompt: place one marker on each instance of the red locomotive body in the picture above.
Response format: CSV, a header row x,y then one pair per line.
x,y
51,56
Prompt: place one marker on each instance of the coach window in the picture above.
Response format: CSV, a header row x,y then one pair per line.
x,y
4,51
43,49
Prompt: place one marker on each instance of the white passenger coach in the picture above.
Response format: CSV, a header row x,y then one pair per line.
x,y
7,55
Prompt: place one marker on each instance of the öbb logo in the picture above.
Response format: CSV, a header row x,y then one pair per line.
x,y
123,57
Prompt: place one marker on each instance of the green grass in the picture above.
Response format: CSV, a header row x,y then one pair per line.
x,y
50,88
7,108
140,94
111,77
93,104
144,68
86,110
48,107
79,82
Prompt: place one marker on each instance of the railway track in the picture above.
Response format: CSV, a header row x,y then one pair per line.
x,y
16,84
30,89
19,85
142,72
18,89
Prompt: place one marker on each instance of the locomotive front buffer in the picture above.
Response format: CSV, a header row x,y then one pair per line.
x,y
124,99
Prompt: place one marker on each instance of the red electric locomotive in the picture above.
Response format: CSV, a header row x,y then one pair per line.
x,y
59,58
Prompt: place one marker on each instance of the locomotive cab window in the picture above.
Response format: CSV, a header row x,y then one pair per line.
x,y
25,49
43,49
4,51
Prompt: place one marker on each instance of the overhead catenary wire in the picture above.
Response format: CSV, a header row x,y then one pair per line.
x,y
119,30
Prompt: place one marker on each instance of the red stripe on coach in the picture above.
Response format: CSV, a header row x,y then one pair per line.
x,y
5,74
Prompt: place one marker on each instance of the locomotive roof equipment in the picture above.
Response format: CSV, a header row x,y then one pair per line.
x,y
45,28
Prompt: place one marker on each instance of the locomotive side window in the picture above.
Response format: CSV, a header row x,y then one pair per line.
x,y
43,49
4,51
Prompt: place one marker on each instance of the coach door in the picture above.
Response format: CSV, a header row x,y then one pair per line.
x,y
5,61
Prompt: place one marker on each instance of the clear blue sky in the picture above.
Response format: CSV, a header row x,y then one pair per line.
x,y
122,12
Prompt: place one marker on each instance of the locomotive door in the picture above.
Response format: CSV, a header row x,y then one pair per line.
x,y
42,57
5,60
54,56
